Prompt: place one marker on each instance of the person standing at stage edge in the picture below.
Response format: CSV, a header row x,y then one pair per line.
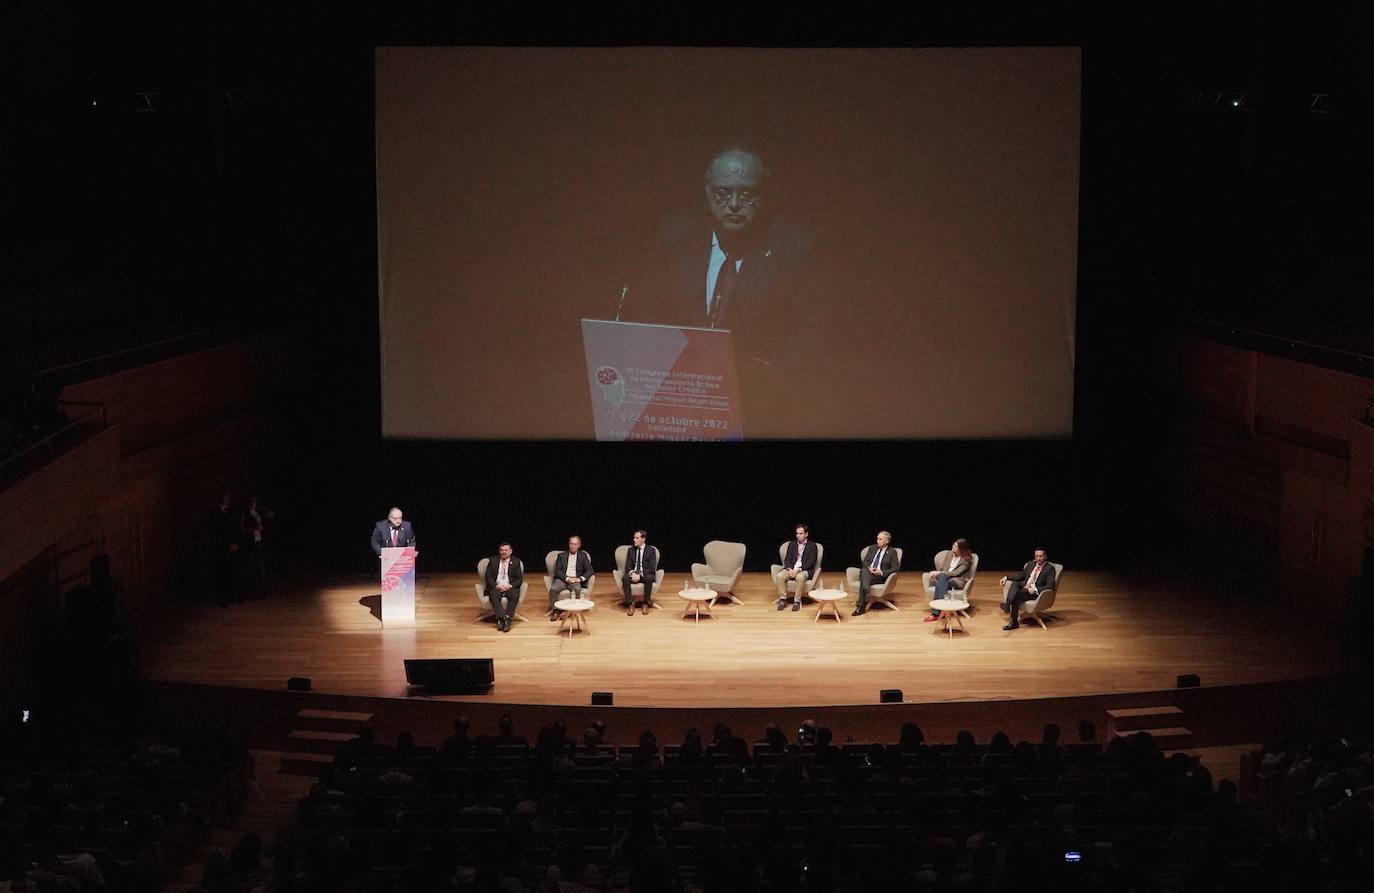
x,y
392,532
798,564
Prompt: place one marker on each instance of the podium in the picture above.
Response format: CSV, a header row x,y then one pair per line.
x,y
653,382
398,586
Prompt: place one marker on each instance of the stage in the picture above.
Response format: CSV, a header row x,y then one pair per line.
x,y
1114,635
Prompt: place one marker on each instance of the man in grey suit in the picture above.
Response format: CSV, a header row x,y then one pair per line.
x,y
879,563
571,570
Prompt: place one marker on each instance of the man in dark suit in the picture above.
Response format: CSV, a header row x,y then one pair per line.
x,y
743,266
641,566
571,570
504,575
226,536
879,562
394,531
798,564
1036,575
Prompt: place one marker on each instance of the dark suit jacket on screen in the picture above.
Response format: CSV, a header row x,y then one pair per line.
x,y
775,305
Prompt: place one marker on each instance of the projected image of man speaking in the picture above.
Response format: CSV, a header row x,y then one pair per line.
x,y
740,263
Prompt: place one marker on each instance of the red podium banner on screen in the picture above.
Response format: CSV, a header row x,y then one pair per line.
x,y
398,586
652,382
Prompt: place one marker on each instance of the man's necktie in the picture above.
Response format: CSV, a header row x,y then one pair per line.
x,y
393,536
877,559
725,286
639,561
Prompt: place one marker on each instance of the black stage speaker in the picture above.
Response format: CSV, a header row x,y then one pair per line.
x,y
890,696
298,683
602,698
451,676
1189,680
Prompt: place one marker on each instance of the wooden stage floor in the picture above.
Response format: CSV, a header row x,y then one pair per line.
x,y
1113,634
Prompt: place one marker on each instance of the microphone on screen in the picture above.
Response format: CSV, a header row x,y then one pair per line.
x,y
621,306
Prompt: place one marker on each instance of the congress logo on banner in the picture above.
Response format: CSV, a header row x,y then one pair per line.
x,y
612,384
654,382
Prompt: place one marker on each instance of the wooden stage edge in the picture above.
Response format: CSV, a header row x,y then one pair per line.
x,y
1119,642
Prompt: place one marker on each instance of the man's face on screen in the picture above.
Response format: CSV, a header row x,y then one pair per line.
x,y
504,552
734,191
394,518
801,534
574,544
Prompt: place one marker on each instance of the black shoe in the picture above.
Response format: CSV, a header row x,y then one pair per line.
x,y
782,604
858,612
796,605
1011,626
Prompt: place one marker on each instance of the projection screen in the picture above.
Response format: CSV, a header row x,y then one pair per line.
x,y
700,244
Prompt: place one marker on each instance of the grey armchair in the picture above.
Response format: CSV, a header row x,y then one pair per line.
x,y
724,564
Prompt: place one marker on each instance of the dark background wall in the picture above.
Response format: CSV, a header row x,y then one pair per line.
x,y
186,165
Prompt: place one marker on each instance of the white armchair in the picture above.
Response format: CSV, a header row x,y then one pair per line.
x,y
724,564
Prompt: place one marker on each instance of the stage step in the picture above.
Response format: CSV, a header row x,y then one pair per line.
x,y
331,720
310,765
1143,719
313,741
1177,738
